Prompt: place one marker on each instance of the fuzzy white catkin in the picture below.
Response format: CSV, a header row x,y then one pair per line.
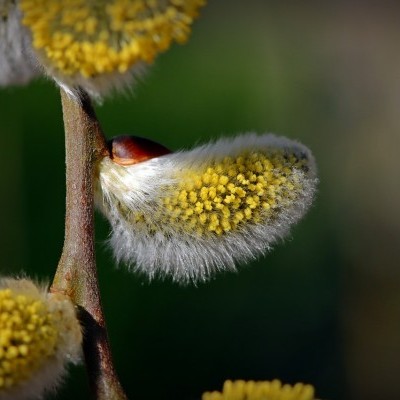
x,y
29,313
100,47
153,240
18,65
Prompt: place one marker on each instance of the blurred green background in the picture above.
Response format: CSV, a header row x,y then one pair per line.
x,y
323,307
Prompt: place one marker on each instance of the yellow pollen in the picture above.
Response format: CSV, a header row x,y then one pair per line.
x,y
251,390
230,193
94,37
27,337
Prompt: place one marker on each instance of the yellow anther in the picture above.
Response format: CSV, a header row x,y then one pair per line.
x,y
203,218
240,192
206,179
212,192
208,205
221,189
193,197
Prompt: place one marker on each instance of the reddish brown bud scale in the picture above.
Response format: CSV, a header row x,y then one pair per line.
x,y
129,150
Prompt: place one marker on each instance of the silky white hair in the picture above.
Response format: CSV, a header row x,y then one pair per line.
x,y
18,64
167,250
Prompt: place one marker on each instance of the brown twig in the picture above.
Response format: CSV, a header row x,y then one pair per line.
x,y
76,273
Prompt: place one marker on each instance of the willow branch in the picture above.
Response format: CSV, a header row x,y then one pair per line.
x,y
76,274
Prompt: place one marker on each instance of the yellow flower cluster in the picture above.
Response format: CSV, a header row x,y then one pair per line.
x,y
94,37
28,336
39,335
274,390
247,189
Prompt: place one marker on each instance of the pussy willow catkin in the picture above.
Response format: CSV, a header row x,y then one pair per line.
x,y
189,214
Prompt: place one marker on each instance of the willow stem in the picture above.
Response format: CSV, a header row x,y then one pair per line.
x,y
76,274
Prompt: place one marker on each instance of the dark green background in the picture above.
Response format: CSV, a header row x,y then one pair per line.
x,y
324,306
